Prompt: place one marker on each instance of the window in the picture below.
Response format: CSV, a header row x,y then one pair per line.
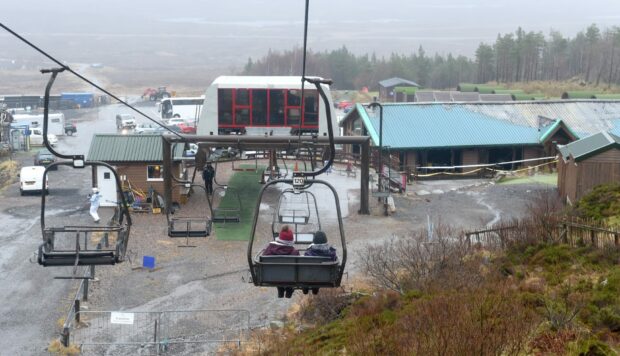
x,y
56,120
166,108
242,116
224,105
276,107
154,172
259,107
311,110
242,97
106,175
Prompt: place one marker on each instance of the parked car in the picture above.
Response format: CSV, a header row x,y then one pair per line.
x,y
125,121
221,152
31,180
70,128
176,121
44,158
161,130
145,128
191,151
186,128
36,137
343,104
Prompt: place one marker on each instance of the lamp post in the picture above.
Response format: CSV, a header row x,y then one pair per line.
x,y
372,106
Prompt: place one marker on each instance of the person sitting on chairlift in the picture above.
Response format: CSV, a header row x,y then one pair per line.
x,y
283,245
320,247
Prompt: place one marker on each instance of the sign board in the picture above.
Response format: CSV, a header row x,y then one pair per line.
x,y
298,180
121,318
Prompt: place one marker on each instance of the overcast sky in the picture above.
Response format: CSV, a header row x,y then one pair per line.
x,y
239,29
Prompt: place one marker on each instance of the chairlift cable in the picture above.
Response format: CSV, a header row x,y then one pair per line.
x,y
303,76
85,79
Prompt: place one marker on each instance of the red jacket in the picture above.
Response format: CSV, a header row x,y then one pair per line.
x,y
275,248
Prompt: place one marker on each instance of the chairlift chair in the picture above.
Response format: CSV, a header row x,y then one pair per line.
x,y
244,169
225,214
187,227
72,245
295,208
296,272
275,172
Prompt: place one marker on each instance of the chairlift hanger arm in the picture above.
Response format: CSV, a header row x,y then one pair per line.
x,y
78,160
318,82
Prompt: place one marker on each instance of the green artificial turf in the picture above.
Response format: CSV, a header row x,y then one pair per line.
x,y
247,185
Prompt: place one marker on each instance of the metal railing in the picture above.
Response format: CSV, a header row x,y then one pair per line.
x,y
175,332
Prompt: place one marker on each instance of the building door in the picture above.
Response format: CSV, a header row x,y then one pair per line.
x,y
107,186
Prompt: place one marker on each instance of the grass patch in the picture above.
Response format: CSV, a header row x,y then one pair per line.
x,y
8,173
248,186
549,179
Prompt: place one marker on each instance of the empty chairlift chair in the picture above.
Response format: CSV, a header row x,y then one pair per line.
x,y
296,208
85,245
187,226
228,210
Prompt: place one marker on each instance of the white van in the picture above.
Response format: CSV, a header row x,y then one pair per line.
x,y
36,137
31,180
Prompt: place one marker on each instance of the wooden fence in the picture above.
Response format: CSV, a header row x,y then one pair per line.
x,y
571,232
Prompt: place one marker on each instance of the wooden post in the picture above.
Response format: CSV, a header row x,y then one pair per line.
x,y
364,172
564,234
167,158
76,310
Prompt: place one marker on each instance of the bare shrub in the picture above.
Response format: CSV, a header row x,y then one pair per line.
x,y
325,306
562,306
490,321
545,211
402,264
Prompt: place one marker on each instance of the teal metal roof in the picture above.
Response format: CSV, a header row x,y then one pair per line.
x,y
450,124
129,148
589,146
546,132
431,126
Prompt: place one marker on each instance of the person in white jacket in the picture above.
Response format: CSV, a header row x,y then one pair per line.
x,y
94,204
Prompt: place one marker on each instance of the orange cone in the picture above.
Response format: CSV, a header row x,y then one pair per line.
x,y
296,169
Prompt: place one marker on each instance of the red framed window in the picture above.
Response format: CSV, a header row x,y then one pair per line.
x,y
238,108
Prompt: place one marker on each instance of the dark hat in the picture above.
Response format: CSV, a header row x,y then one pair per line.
x,y
319,238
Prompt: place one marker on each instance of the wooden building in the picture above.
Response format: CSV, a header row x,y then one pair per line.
x,y
426,135
586,163
138,161
387,88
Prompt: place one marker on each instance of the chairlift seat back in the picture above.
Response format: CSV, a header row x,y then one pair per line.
x,y
189,227
84,258
297,271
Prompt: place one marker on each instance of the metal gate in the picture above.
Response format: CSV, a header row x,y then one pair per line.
x,y
178,332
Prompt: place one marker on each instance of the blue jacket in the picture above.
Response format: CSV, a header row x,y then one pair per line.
x,y
321,250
